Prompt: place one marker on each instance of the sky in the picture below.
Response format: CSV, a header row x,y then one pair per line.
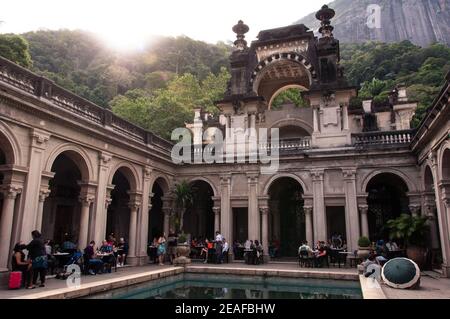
x,y
126,24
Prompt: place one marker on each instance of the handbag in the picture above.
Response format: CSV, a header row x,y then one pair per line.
x,y
40,262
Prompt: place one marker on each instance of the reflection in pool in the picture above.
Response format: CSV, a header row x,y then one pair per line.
x,y
198,286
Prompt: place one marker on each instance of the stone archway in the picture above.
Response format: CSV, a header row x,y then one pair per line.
x,y
160,189
287,224
199,219
124,203
387,199
61,215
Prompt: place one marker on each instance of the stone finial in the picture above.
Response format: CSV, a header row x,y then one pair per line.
x,y
240,29
325,15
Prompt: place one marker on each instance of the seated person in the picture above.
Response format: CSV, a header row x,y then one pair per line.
x,y
51,260
20,264
122,252
371,260
259,251
320,256
108,256
225,250
205,250
305,248
93,265
68,245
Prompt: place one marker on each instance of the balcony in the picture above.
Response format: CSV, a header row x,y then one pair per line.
x,y
383,139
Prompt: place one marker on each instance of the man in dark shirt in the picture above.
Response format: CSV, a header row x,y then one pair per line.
x,y
93,264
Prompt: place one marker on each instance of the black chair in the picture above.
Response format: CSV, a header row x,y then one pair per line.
x,y
304,259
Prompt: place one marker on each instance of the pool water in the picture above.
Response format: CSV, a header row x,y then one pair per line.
x,y
198,286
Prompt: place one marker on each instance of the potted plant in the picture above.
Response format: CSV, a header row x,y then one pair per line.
x,y
363,247
183,196
412,230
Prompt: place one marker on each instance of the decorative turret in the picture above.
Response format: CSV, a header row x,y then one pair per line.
x,y
325,15
240,29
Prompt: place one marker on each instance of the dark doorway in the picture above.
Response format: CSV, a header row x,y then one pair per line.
x,y
387,200
199,219
156,222
240,224
286,215
119,211
336,222
61,213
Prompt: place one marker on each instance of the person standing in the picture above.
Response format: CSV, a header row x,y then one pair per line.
x,y
161,249
38,256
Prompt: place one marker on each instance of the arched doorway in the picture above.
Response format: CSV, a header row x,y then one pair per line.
x,y
446,165
286,215
62,208
156,222
118,220
199,219
387,199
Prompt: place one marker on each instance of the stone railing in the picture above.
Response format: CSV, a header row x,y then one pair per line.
x,y
287,146
394,138
44,88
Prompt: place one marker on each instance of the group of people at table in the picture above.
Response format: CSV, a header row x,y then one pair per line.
x,y
215,250
336,250
35,259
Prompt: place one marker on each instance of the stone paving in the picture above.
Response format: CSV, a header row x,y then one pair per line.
x,y
431,287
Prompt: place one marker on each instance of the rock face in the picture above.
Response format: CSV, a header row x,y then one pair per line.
x,y
420,21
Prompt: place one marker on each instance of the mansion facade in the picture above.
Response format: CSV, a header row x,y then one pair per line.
x,y
70,166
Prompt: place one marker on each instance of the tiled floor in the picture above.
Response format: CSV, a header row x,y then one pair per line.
x,y
430,288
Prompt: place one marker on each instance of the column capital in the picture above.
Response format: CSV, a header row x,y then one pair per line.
x,y
104,158
349,173
167,211
39,138
252,178
432,157
87,200
225,179
308,210
264,210
148,172
317,174
216,210
363,209
11,191
134,206
415,209
44,193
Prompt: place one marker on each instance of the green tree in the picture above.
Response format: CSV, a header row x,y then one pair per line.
x,y
15,48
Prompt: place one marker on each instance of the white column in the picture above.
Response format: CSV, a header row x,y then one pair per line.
x,y
143,219
102,199
134,207
442,217
166,212
86,203
253,212
216,211
320,221
308,225
225,209
265,229
345,117
316,119
43,195
39,140
363,210
9,196
351,211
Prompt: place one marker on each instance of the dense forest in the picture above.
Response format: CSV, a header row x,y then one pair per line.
x,y
158,87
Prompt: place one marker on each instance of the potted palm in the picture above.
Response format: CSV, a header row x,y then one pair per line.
x,y
183,196
412,230
363,247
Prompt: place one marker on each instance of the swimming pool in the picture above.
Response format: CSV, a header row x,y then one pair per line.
x,y
207,286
